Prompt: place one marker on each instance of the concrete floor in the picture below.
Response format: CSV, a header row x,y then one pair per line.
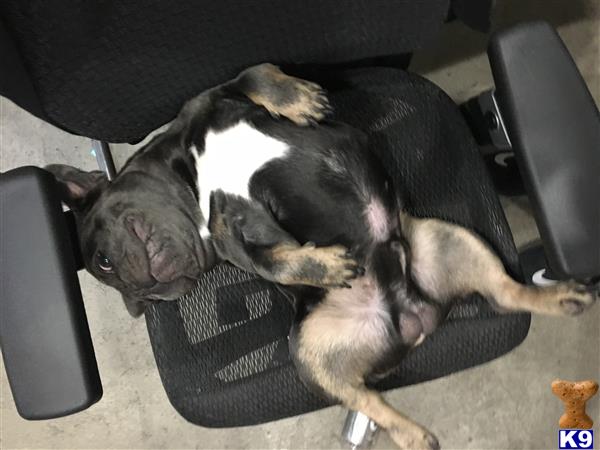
x,y
503,404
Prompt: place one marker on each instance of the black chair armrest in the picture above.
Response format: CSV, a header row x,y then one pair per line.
x,y
554,128
44,334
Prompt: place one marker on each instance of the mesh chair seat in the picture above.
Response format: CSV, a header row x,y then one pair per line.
x,y
222,350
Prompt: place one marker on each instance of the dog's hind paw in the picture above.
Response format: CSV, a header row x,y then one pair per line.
x,y
420,439
571,298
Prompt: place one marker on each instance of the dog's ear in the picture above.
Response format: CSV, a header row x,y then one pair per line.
x,y
135,306
77,185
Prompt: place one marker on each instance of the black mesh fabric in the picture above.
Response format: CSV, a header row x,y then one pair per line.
x,y
115,70
222,350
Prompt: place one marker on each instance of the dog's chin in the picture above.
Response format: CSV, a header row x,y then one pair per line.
x,y
173,290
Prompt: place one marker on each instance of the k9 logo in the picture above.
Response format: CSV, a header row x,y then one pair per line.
x,y
569,439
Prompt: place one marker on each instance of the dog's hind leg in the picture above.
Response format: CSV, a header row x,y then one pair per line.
x,y
338,343
406,433
449,262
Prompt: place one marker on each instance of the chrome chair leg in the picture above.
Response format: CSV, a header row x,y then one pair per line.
x,y
359,430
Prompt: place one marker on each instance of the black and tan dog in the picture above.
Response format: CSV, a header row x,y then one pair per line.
x,y
299,205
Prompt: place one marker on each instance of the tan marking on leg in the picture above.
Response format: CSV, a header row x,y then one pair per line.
x,y
405,433
450,261
345,326
282,95
313,266
562,299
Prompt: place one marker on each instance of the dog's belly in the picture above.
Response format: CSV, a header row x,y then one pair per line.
x,y
359,315
362,318
230,158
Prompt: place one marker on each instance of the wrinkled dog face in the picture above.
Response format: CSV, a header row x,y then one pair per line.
x,y
137,234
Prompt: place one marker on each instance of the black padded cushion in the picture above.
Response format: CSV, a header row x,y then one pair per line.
x,y
222,350
115,70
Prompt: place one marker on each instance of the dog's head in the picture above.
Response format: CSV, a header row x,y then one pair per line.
x,y
138,233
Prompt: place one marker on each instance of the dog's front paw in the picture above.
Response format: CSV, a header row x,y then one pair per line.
x,y
339,267
417,438
301,101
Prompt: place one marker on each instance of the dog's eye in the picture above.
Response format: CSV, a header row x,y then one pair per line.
x,y
104,262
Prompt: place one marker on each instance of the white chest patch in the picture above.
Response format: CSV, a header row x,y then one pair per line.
x,y
230,158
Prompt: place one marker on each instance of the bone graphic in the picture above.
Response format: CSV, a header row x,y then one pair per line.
x,y
574,395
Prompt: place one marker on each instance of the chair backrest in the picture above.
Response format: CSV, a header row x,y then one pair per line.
x,y
115,70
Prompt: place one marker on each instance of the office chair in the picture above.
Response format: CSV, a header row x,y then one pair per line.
x,y
115,71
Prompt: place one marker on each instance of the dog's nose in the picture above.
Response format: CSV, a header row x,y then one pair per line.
x,y
164,267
